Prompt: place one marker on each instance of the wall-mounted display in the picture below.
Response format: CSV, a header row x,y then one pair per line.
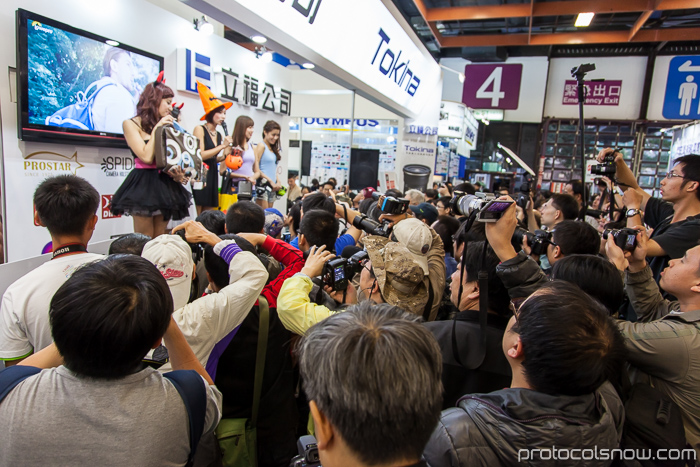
x,y
74,86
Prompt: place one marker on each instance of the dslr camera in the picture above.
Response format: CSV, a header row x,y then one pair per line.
x,y
391,205
308,453
607,167
625,238
338,272
485,205
538,241
523,197
371,226
197,248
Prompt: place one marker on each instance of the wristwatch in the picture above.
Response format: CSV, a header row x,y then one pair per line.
x,y
634,212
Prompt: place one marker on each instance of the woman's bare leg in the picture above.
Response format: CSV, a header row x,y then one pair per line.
x,y
143,225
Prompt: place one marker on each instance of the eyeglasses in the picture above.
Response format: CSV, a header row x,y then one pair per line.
x,y
670,175
515,306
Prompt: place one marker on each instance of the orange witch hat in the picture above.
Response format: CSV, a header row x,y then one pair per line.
x,y
209,100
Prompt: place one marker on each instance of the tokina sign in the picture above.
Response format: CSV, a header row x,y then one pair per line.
x,y
395,71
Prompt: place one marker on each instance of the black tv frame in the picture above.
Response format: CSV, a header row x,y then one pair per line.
x,y
51,134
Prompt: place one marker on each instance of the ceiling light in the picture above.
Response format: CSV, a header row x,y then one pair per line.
x,y
259,39
266,57
308,66
112,43
203,26
461,77
389,139
584,19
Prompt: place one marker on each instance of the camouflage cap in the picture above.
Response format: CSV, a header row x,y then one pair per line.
x,y
400,278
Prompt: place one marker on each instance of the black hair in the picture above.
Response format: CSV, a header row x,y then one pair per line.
x,y
431,193
209,117
365,205
499,300
295,214
570,343
445,200
245,217
65,204
214,221
129,244
216,266
595,275
691,170
576,237
109,314
318,201
446,227
393,192
330,182
476,233
465,187
319,227
577,187
567,204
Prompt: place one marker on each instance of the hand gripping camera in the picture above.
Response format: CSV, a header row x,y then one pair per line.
x,y
538,241
625,238
485,205
308,453
371,226
607,167
339,271
391,205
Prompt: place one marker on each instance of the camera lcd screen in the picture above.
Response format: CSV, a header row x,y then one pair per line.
x,y
631,242
497,206
339,273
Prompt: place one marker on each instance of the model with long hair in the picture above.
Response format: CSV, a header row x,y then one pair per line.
x,y
242,133
150,196
268,157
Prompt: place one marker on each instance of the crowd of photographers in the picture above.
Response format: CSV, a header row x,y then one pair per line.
x,y
386,325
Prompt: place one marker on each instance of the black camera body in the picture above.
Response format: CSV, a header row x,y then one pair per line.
x,y
537,241
245,191
607,167
487,207
308,453
197,248
523,197
391,205
338,272
625,238
371,226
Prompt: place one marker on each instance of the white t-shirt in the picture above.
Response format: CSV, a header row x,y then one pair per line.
x,y
57,418
112,105
24,314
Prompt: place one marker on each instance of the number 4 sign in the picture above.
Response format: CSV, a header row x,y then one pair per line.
x,y
492,86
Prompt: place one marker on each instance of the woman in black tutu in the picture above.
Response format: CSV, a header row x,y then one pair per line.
x,y
150,196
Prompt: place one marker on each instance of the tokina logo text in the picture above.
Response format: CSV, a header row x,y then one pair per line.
x,y
398,72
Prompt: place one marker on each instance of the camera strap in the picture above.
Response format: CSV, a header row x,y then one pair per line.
x,y
69,249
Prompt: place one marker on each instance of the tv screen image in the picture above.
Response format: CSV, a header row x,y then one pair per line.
x,y
76,87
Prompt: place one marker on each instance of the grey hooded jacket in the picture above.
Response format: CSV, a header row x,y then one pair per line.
x,y
503,428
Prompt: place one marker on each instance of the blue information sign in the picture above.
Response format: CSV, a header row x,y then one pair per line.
x,y
682,99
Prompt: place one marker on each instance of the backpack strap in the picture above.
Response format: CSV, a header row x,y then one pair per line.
x,y
260,356
12,376
191,388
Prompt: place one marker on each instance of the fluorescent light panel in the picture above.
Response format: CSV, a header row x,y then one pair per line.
x,y
584,19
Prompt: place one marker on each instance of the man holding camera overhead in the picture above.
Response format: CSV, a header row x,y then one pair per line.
x,y
675,217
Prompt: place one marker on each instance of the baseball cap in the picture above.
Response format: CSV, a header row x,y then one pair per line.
x,y
399,276
173,258
416,237
367,192
426,211
274,221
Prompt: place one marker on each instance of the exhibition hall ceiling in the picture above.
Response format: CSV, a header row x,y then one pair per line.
x,y
487,30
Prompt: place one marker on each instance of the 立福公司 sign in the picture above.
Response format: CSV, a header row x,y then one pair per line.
x,y
492,85
605,92
376,56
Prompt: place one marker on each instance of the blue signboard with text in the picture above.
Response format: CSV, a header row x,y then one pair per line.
x,y
682,99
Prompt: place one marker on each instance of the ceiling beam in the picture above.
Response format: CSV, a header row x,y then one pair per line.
x,y
433,28
639,23
556,8
603,37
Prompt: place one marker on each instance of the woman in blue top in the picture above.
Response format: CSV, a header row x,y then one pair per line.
x,y
268,157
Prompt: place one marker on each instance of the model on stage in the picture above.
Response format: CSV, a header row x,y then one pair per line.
x,y
150,196
214,148
268,157
242,132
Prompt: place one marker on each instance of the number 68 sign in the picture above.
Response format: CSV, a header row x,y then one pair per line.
x,y
492,86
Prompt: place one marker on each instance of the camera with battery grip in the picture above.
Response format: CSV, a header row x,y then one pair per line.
x,y
484,205
390,205
308,453
338,272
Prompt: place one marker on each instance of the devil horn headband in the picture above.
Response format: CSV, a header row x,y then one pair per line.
x,y
160,79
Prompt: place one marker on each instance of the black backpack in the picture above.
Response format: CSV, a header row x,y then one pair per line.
x,y
652,422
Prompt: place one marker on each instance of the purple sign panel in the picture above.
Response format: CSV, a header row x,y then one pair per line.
x,y
597,92
492,86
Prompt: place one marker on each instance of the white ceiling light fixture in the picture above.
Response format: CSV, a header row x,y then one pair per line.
x,y
203,26
584,19
112,43
258,39
461,77
308,65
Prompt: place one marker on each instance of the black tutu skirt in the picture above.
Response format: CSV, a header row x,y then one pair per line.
x,y
150,192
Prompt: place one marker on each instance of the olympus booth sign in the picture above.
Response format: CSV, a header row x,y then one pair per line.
x,y
358,44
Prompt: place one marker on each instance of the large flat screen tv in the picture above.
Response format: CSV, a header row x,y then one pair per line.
x,y
76,87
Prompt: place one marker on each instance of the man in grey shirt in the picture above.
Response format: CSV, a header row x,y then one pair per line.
x,y
100,406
